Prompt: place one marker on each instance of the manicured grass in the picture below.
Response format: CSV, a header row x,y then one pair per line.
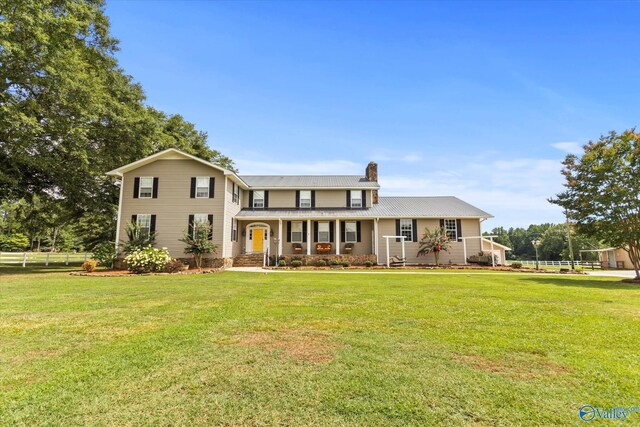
x,y
315,349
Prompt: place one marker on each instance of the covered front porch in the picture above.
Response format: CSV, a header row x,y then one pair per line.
x,y
309,237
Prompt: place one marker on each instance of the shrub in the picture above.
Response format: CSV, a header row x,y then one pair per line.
x,y
282,263
105,254
89,265
147,260
16,242
173,266
199,242
321,263
368,263
335,262
137,239
516,265
346,263
296,263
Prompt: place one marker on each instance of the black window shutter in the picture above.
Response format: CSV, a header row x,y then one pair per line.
x,y
152,226
191,219
343,232
266,199
331,231
233,236
397,229
459,229
212,187
359,231
414,228
315,231
348,198
304,231
136,187
134,219
193,188
155,187
297,198
313,199
364,198
442,224
288,231
210,235
233,190
251,199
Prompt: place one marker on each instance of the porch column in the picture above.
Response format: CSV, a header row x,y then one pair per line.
x,y
279,237
308,237
337,237
464,247
375,240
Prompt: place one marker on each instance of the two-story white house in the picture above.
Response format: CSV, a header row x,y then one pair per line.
x,y
307,216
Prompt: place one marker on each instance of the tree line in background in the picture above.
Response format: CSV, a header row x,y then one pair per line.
x,y
69,114
554,242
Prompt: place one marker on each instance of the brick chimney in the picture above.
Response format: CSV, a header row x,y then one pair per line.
x,y
371,173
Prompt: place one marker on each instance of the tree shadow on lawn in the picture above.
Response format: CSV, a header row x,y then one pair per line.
x,y
13,270
580,283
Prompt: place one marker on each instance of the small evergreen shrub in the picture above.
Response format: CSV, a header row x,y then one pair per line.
x,y
321,263
346,263
335,262
516,264
89,265
368,263
282,263
296,263
147,260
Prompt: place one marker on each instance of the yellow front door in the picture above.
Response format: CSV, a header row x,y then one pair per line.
x,y
258,240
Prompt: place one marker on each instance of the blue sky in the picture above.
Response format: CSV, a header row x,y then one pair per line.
x,y
472,99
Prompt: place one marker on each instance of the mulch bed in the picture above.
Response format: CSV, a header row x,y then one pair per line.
x,y
429,267
126,273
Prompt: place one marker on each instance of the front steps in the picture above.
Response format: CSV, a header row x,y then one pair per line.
x,y
248,260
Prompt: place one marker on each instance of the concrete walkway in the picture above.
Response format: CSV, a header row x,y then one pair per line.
x,y
627,274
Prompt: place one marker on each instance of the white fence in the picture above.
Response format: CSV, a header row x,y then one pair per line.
x,y
46,258
590,264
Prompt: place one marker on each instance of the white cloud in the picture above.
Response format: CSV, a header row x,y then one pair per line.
x,y
571,147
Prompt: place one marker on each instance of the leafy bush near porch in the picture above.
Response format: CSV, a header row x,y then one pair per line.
x,y
368,264
147,260
105,254
516,264
321,263
137,238
296,263
282,263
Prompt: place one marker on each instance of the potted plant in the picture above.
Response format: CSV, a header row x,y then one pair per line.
x,y
335,263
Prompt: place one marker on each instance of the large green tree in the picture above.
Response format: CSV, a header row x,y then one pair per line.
x,y
602,194
69,113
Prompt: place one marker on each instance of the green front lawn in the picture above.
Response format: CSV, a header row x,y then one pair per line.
x,y
315,349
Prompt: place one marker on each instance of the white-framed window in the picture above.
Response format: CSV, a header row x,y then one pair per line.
x,y
202,187
200,223
296,231
451,228
234,229
146,187
236,194
350,232
144,222
323,232
356,199
258,199
406,229
305,198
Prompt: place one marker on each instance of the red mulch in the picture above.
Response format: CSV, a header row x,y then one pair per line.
x,y
125,273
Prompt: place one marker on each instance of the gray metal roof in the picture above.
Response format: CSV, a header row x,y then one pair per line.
x,y
388,207
308,181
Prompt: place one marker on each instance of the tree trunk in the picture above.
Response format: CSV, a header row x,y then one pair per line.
x,y
634,256
53,239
